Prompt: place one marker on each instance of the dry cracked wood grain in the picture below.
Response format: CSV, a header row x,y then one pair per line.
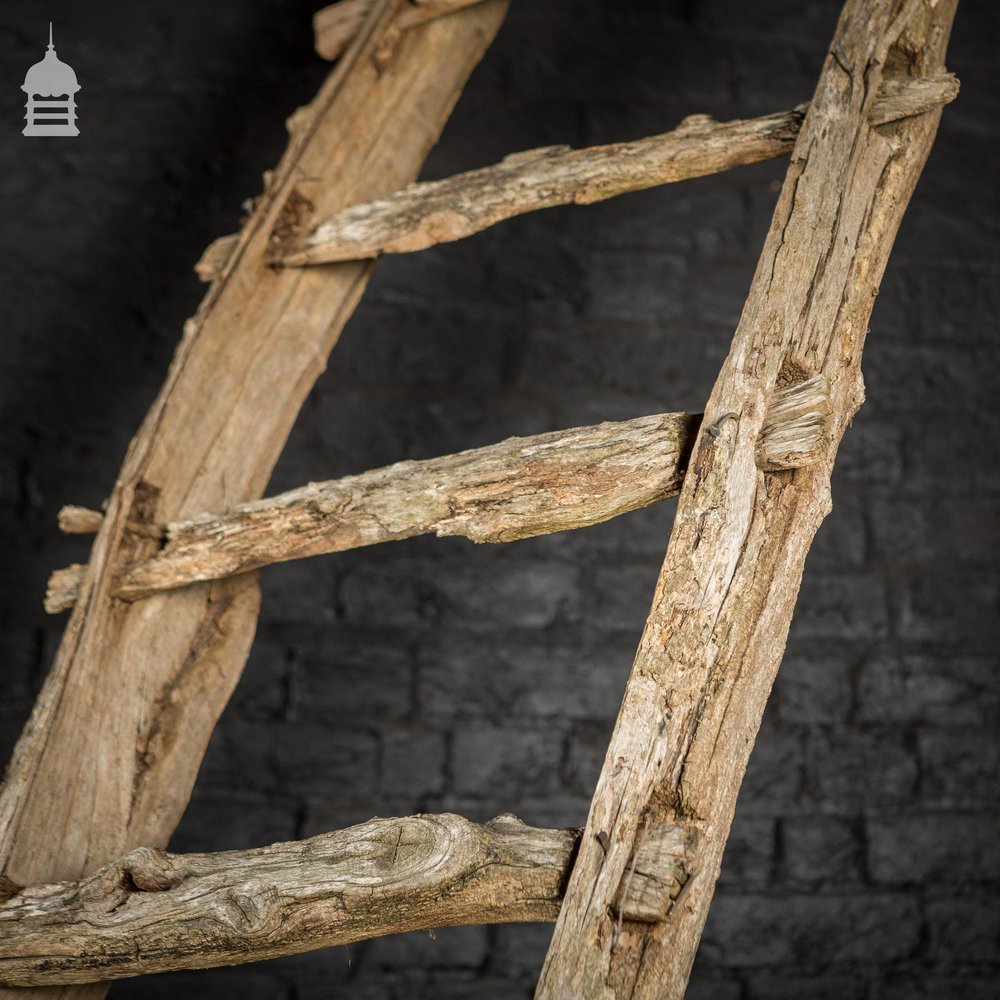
x,y
109,756
150,911
722,606
432,212
336,26
519,488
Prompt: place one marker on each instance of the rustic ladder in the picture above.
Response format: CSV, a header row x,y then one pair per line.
x,y
164,612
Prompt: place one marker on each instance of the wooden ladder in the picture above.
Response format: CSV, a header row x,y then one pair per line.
x,y
164,612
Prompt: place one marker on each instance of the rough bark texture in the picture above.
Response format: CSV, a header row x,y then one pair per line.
x,y
441,211
335,26
722,606
136,689
150,911
516,489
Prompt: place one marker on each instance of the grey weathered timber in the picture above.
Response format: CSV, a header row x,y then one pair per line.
x,y
150,911
431,212
108,759
519,488
724,599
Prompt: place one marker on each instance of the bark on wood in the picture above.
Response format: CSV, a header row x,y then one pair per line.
x,y
422,215
109,756
150,911
725,596
516,489
335,26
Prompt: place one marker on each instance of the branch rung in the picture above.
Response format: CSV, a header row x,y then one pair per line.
x,y
432,212
150,911
519,488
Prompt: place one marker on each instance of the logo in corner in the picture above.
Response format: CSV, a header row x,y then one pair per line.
x,y
51,87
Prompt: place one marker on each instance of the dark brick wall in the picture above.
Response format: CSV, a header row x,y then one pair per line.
x,y
432,674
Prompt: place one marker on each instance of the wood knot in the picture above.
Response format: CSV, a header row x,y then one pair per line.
x,y
695,123
251,909
146,869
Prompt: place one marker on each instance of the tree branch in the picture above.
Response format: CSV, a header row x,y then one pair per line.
x,y
431,212
516,489
724,600
150,911
117,735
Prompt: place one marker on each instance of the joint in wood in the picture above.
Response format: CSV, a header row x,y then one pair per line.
x,y
660,867
290,225
796,429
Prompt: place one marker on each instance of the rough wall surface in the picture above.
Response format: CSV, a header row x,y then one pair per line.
x,y
434,674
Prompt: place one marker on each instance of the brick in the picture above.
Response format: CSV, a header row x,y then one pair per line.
x,y
413,762
914,307
353,676
266,688
223,821
754,931
872,452
505,677
960,770
841,606
385,594
842,541
448,947
248,984
954,986
815,685
792,984
934,849
588,746
720,293
773,781
947,690
950,604
705,218
494,762
909,530
964,930
850,770
710,984
295,759
748,862
821,850
621,595
304,591
483,589
948,455
520,948
20,652
459,986
907,376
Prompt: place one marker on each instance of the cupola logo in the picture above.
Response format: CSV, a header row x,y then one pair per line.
x,y
51,88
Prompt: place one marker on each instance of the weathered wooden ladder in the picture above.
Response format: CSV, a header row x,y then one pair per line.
x,y
164,613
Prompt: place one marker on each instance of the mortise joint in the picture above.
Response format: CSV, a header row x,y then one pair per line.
x,y
796,428
662,863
